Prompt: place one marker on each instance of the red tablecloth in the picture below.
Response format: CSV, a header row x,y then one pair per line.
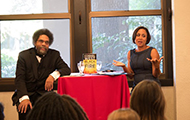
x,y
98,95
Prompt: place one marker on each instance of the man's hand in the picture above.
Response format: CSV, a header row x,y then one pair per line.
x,y
23,106
49,83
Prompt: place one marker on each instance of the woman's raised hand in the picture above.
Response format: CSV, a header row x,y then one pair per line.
x,y
156,62
117,63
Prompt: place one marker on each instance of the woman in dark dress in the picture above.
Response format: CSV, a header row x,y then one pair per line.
x,y
143,61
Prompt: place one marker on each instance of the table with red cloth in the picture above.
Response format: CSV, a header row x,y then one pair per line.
x,y
98,95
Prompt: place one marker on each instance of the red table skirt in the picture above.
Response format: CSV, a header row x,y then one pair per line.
x,y
98,95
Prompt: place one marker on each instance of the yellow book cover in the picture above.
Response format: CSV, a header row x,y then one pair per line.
x,y
89,60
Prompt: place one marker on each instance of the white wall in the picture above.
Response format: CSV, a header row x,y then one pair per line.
x,y
169,94
9,111
181,41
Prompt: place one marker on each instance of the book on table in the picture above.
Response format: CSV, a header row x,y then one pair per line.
x,y
90,62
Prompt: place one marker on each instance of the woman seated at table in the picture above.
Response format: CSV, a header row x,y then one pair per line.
x,y
143,61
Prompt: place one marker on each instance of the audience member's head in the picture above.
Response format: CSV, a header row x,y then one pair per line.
x,y
1,112
123,114
148,101
73,109
52,106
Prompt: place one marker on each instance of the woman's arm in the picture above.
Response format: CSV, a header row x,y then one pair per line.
x,y
125,68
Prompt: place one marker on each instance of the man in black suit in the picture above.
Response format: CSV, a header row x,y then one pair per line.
x,y
37,69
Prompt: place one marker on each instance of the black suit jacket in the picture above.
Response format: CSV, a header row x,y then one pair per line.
x,y
31,75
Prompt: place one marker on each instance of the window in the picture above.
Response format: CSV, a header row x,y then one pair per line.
x,y
21,18
12,7
112,37
119,5
112,23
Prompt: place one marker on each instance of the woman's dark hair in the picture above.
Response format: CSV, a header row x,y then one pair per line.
x,y
1,111
135,34
44,31
76,111
148,101
52,106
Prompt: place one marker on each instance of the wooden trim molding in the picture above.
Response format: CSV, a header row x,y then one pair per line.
x,y
36,16
124,13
